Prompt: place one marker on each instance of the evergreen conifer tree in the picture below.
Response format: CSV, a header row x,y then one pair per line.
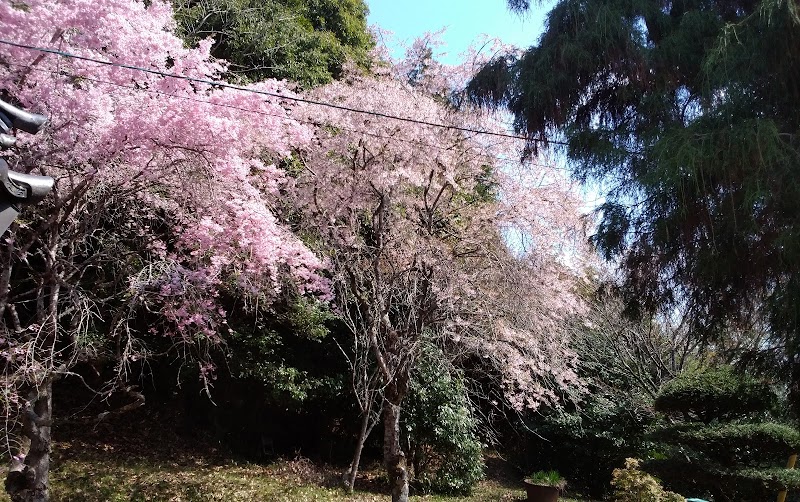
x,y
688,112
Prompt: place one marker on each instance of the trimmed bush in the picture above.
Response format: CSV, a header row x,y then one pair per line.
x,y
713,394
727,446
735,443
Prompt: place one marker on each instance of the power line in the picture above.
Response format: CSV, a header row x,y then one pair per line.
x,y
260,112
271,94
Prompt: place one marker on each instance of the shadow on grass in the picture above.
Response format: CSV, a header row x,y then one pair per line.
x,y
502,472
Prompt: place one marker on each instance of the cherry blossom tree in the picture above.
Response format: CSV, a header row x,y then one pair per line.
x,y
413,221
163,197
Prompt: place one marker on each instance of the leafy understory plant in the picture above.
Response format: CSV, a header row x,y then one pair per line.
x,y
634,485
547,478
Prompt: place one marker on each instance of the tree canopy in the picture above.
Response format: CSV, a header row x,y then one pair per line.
x,y
360,249
138,242
305,41
687,111
409,219
183,209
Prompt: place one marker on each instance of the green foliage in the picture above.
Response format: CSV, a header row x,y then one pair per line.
x,y
484,189
270,354
284,379
769,480
547,478
585,442
687,111
441,428
728,446
307,318
305,41
735,443
715,393
634,485
622,364
688,471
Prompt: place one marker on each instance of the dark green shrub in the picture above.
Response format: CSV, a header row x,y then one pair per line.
x,y
283,382
735,443
444,448
713,394
584,443
285,355
727,444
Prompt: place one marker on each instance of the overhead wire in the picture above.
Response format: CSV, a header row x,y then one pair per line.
x,y
226,85
263,113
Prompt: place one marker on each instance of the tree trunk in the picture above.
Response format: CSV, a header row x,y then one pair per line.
x,y
28,478
350,480
393,457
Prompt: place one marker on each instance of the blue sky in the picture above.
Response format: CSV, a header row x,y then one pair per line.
x,y
465,22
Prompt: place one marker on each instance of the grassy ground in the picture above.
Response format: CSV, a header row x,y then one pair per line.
x,y
107,476
291,481
125,463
